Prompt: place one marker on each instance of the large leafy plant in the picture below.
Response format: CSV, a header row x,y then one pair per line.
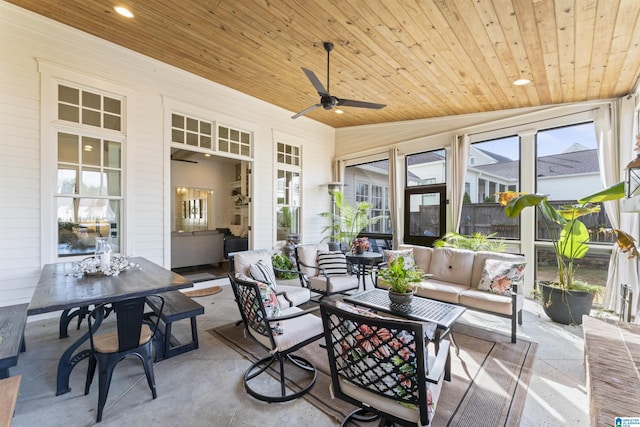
x,y
349,220
569,235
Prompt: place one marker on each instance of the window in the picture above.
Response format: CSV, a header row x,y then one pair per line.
x,y
567,168
425,197
287,190
191,131
89,170
234,141
369,183
495,168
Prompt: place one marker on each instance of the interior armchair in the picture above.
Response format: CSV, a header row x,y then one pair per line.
x,y
382,365
325,272
132,337
281,332
256,264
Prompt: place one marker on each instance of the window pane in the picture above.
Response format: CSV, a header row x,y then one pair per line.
x,y
567,169
81,220
69,113
112,182
112,106
91,182
67,179
424,214
90,117
493,166
91,100
111,122
111,154
68,148
426,168
90,151
68,94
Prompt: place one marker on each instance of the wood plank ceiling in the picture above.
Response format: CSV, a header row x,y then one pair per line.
x,y
423,58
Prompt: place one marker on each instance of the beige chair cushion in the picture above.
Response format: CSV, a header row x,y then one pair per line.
x,y
296,330
308,255
296,293
442,291
108,343
243,261
337,283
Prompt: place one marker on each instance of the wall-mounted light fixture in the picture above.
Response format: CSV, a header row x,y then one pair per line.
x,y
632,178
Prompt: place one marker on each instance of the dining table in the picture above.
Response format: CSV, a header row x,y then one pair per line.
x,y
60,288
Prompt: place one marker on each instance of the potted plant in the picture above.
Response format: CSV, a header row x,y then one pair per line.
x,y
566,299
360,245
402,280
348,220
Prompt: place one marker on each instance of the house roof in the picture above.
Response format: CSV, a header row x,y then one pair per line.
x,y
423,59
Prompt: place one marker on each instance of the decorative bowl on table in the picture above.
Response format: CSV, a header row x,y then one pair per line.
x,y
91,266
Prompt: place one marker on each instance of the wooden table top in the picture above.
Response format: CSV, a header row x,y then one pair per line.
x,y
58,289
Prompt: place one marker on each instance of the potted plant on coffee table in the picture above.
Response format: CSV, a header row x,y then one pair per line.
x,y
566,299
402,280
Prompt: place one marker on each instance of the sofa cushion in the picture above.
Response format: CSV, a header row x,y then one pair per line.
x,y
332,262
441,291
482,256
489,301
452,265
499,276
421,256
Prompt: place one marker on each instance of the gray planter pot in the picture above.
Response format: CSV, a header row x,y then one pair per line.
x,y
566,307
401,299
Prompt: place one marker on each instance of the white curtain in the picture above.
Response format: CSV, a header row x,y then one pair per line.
x,y
395,197
460,151
613,127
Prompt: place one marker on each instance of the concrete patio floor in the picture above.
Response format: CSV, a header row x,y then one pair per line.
x,y
204,387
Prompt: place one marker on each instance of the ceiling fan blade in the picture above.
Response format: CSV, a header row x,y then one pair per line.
x,y
305,111
359,104
315,82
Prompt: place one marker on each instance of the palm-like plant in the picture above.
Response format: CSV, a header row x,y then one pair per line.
x,y
568,234
349,220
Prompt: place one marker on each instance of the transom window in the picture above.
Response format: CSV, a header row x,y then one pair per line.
x,y
191,131
288,154
89,108
234,141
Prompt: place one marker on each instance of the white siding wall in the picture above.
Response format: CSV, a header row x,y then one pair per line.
x,y
25,39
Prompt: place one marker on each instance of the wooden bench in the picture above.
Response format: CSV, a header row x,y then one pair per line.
x,y
177,306
612,360
9,388
13,319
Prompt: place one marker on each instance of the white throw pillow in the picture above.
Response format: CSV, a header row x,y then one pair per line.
x,y
262,272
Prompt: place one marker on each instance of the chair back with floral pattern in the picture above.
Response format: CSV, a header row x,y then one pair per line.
x,y
383,357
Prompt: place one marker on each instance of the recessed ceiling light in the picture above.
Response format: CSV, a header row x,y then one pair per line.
x,y
123,11
521,82
207,155
339,111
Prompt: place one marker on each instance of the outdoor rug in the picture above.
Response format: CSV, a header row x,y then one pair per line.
x,y
489,376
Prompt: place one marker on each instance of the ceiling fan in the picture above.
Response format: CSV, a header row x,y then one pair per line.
x,y
326,100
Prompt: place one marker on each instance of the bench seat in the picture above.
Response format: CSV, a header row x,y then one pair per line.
x,y
177,306
13,319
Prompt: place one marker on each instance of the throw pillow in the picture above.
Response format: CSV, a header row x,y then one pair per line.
x,y
269,300
332,262
407,254
262,272
499,276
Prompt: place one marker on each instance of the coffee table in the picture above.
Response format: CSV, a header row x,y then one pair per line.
x,y
421,309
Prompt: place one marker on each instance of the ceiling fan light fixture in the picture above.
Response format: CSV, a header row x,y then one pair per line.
x,y
339,111
521,82
121,10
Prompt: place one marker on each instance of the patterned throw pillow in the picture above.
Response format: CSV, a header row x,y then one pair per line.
x,y
332,262
269,300
262,272
499,276
407,254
